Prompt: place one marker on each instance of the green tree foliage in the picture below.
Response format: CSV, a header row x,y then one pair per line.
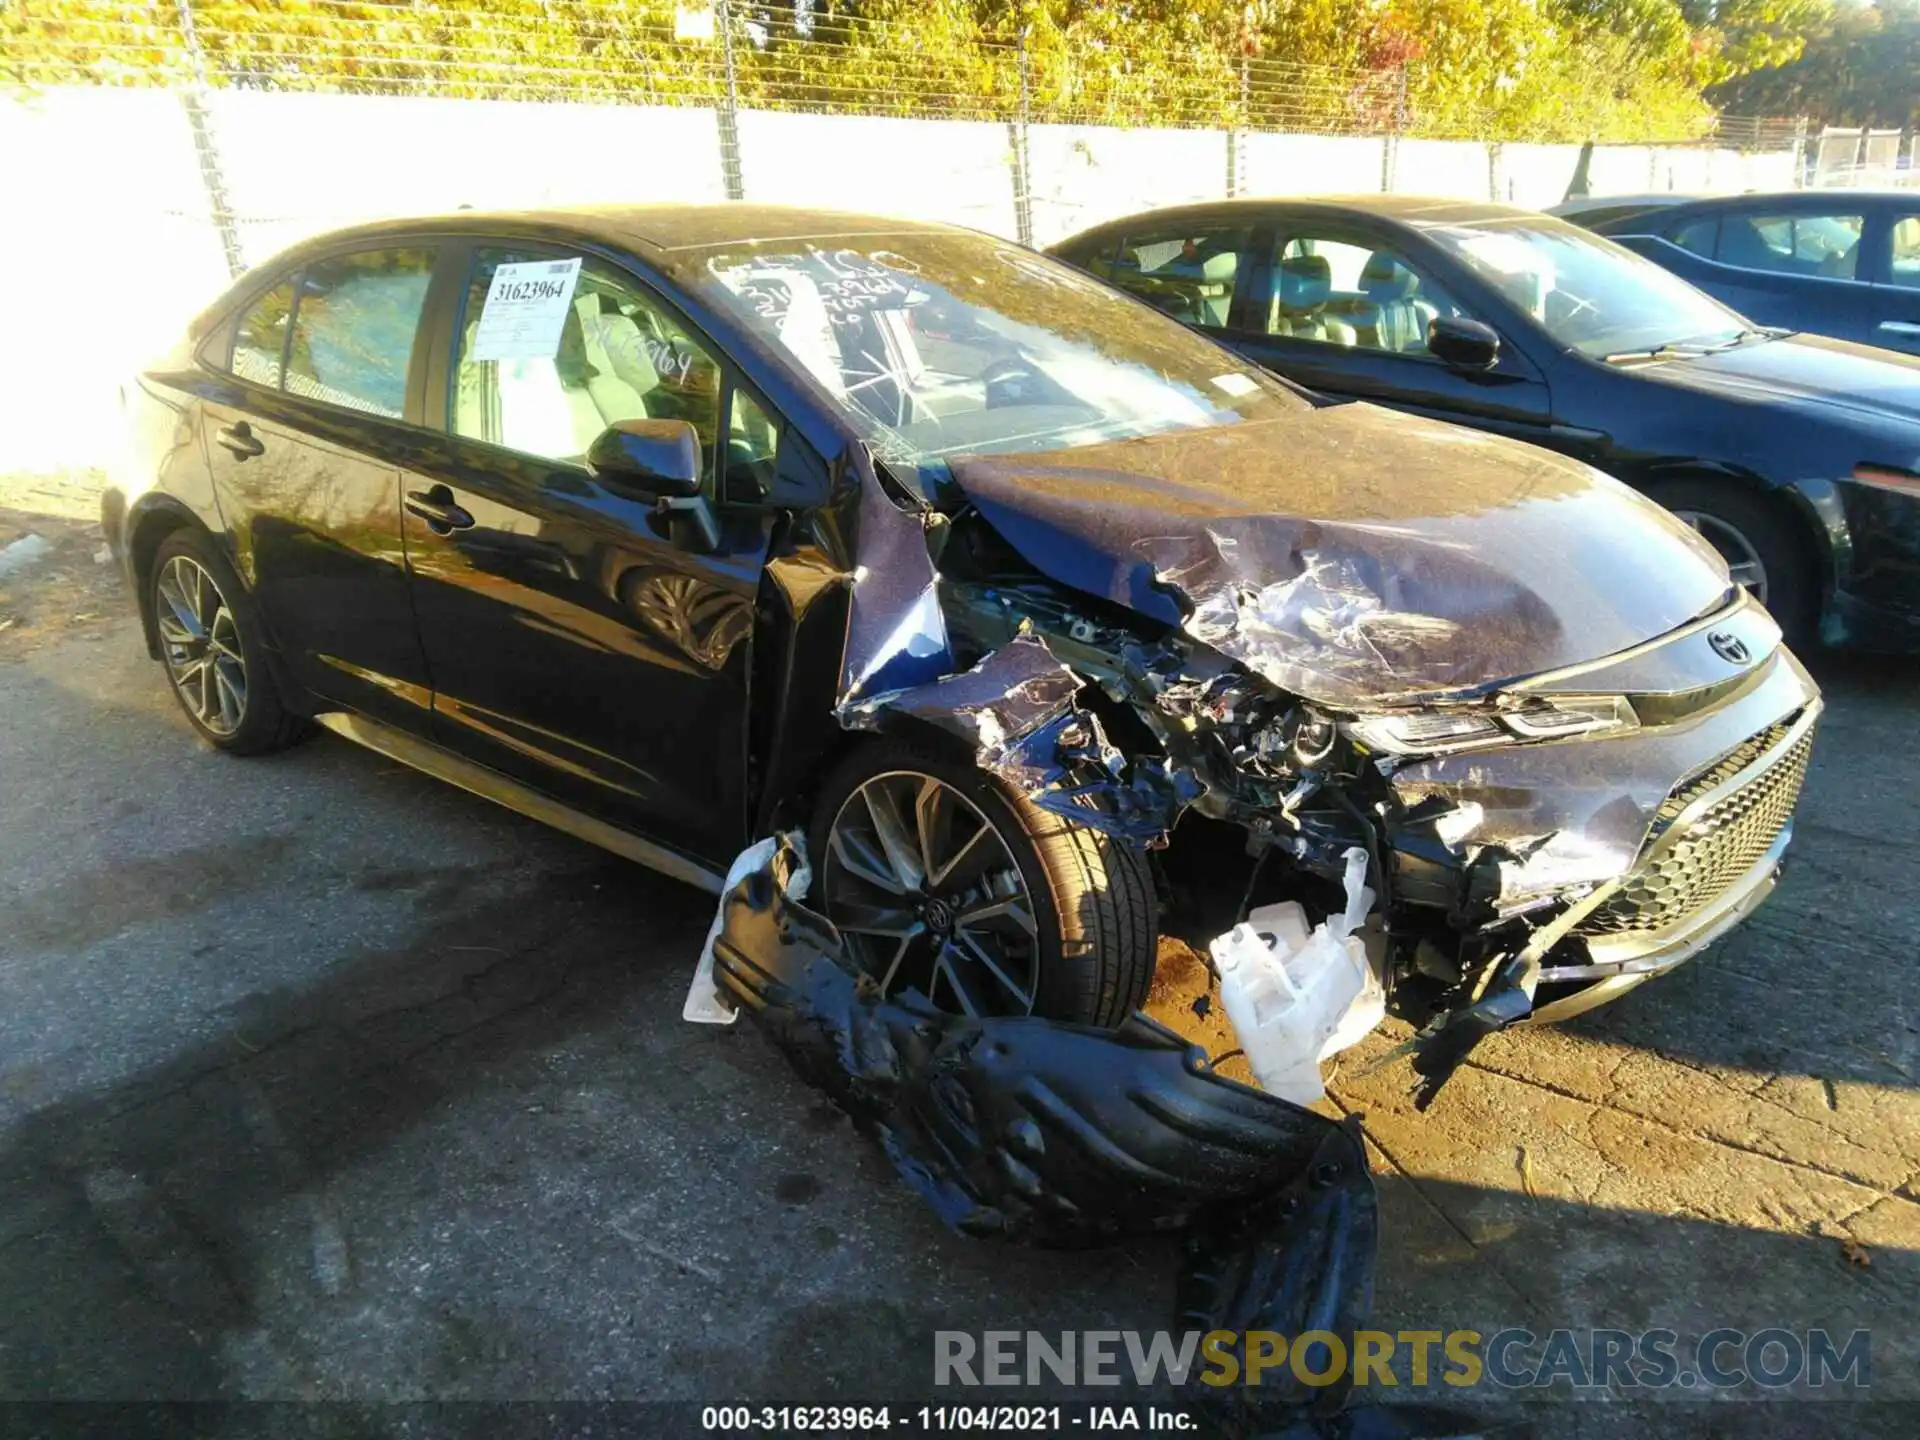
x,y
1860,67
1495,69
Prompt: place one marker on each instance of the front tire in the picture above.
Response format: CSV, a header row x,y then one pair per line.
x,y
944,881
1763,550
213,651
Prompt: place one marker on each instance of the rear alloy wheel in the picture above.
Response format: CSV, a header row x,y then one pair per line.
x,y
212,649
200,643
945,882
930,898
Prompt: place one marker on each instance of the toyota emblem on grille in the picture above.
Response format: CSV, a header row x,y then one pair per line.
x,y
1729,647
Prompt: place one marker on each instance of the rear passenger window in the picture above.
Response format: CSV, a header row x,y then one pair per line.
x,y
1906,252
618,355
353,329
1188,273
261,338
1824,245
1699,236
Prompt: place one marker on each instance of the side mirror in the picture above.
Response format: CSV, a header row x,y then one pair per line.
x,y
1463,344
655,457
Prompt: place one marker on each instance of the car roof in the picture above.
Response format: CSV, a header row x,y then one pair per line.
x,y
656,228
1825,198
1411,209
1651,200
653,231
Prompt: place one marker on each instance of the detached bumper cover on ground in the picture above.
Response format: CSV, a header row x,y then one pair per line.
x,y
1061,1135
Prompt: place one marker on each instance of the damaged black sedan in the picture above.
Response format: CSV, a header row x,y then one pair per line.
x,y
1048,622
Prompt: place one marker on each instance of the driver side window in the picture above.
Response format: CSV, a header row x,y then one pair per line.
x,y
619,355
1355,295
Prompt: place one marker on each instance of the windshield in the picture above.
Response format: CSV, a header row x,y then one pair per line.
x,y
1589,294
939,344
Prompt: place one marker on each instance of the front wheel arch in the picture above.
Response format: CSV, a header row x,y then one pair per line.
x,y
1780,522
1100,931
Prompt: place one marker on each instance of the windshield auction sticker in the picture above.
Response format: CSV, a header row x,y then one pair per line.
x,y
525,310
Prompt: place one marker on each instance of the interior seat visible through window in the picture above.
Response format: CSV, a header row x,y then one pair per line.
x,y
619,356
1185,272
1399,316
1300,302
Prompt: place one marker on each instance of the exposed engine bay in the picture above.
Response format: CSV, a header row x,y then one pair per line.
x,y
1535,845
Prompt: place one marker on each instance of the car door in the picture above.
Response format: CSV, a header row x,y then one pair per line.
x,y
581,640
312,396
1793,267
1342,309
1896,281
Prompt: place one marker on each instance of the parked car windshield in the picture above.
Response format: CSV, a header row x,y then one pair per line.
x,y
940,344
1589,294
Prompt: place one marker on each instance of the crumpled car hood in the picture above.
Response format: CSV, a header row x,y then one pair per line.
x,y
1352,555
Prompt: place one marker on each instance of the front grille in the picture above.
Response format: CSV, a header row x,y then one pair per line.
x,y
1679,874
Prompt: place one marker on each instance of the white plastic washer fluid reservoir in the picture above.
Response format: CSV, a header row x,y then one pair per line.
x,y
1297,994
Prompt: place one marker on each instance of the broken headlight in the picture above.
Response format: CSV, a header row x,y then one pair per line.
x,y
1438,732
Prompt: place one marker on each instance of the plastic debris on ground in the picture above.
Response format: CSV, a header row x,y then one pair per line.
x,y
705,1004
28,550
1299,994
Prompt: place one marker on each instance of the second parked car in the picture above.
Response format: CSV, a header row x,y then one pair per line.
x,y
1831,262
1797,457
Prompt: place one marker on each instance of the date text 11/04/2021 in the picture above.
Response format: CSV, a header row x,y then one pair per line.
x,y
947,1419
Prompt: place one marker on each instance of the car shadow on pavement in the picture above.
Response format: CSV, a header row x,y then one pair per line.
x,y
139,1222
482,1157
158,1228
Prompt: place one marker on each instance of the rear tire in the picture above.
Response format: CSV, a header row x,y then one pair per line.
x,y
1748,528
1095,929
213,650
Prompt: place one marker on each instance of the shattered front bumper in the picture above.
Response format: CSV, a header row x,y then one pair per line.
x,y
1674,834
1034,1131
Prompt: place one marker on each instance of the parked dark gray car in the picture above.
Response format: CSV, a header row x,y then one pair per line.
x,y
1832,262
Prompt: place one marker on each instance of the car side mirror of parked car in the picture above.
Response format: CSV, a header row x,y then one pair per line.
x,y
1462,343
660,458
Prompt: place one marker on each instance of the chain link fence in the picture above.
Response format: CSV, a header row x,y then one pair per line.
x,y
657,53
217,131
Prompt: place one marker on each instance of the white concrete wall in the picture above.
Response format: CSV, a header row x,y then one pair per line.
x,y
1312,165
300,164
1083,174
107,216
1535,175
1456,169
108,250
957,171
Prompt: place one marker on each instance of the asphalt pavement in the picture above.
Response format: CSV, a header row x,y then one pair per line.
x,y
320,1080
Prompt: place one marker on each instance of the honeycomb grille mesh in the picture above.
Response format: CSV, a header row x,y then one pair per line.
x,y
1678,875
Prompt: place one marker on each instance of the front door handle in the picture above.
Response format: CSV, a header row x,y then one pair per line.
x,y
1904,328
239,438
437,508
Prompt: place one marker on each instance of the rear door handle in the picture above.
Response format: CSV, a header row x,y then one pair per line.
x,y
239,438
1901,327
437,508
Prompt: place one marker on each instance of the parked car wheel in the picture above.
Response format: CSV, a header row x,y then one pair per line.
x,y
211,645
944,881
1762,551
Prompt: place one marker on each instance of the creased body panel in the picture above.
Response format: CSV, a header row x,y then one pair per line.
x,y
1581,811
1354,556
